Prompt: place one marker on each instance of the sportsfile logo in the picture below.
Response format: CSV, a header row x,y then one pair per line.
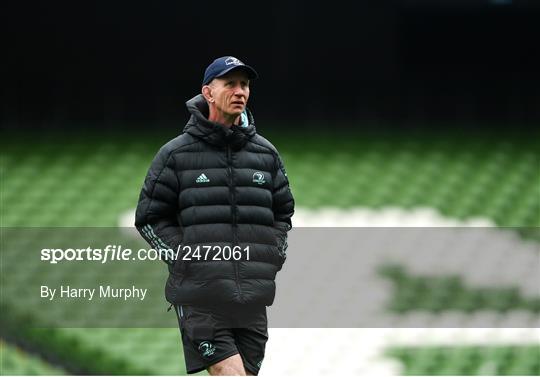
x,y
112,253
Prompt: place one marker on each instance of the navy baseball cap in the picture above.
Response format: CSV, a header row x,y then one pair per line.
x,y
225,64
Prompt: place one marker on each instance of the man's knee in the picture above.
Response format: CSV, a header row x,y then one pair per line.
x,y
231,366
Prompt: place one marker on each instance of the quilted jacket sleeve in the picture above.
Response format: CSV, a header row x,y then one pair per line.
x,y
283,206
155,218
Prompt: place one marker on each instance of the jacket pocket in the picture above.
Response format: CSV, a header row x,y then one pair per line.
x,y
180,266
171,293
281,243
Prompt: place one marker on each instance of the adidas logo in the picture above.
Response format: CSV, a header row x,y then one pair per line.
x,y
202,178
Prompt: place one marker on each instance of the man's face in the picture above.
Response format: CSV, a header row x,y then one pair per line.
x,y
230,92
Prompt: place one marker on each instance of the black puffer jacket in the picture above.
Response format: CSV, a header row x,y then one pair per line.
x,y
218,186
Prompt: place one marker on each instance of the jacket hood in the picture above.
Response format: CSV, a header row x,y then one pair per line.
x,y
215,133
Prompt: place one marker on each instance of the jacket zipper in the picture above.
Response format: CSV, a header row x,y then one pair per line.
x,y
233,213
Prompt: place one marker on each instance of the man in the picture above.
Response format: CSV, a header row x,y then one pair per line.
x,y
219,195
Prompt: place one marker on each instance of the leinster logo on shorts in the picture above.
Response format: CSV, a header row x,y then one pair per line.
x,y
207,349
258,178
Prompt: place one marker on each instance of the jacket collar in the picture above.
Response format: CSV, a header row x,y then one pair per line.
x,y
215,133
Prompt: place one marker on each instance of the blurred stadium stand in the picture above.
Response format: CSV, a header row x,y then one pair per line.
x,y
94,179
360,65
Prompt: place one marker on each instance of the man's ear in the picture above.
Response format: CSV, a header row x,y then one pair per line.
x,y
207,93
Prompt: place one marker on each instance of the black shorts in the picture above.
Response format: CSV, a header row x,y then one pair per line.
x,y
210,335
